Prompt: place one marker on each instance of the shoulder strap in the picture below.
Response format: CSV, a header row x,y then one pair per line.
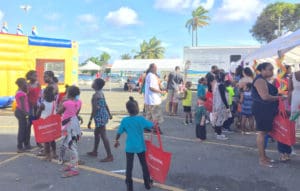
x,y
53,107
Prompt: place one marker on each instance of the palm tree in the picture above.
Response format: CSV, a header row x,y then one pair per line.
x,y
151,50
199,19
125,56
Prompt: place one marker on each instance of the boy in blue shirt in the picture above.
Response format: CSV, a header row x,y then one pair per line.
x,y
134,126
201,87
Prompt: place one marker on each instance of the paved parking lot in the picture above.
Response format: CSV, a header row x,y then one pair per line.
x,y
212,165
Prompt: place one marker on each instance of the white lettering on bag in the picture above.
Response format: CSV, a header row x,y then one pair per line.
x,y
47,126
155,159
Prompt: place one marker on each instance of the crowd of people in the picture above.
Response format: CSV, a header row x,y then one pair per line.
x,y
246,99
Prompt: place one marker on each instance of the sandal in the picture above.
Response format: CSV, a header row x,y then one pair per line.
x,y
70,174
92,154
107,159
267,164
66,168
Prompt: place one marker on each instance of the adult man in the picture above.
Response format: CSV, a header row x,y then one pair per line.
x,y
210,77
174,80
152,96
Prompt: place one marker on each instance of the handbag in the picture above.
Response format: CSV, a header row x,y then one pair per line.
x,y
283,129
158,160
209,101
48,129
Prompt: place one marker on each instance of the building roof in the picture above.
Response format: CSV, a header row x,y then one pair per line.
x,y
143,64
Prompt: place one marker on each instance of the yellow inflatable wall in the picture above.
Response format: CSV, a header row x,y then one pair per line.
x,y
19,54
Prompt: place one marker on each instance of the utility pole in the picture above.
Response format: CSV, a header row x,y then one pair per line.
x,y
279,26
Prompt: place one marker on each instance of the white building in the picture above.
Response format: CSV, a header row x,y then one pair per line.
x,y
202,58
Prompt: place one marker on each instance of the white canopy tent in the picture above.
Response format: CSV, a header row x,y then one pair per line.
x,y
140,65
287,46
90,66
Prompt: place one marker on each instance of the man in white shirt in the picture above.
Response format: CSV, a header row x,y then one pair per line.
x,y
153,96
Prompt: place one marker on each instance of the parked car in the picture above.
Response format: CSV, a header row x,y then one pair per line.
x,y
84,79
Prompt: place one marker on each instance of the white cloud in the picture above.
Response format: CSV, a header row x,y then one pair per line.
x,y
87,18
88,22
53,16
1,15
123,17
180,5
233,10
106,49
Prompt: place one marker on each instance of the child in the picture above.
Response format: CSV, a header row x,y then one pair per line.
x,y
101,115
47,108
22,114
201,87
34,93
134,126
187,103
230,92
200,117
71,130
246,102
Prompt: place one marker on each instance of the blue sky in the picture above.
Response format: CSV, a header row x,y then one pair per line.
x,y
119,26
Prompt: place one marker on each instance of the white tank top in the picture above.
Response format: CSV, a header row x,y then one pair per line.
x,y
295,95
50,108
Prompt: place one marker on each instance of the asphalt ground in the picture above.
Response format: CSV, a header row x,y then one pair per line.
x,y
230,165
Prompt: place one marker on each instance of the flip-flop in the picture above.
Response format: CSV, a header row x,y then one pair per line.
x,y
70,174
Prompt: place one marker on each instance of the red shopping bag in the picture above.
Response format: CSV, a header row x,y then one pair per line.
x,y
209,101
283,129
158,160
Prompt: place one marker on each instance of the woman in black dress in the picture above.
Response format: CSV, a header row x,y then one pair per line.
x,y
264,108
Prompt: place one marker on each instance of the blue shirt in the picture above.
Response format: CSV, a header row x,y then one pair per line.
x,y
134,127
201,90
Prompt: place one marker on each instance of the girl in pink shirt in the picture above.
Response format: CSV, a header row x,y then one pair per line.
x,y
71,130
22,114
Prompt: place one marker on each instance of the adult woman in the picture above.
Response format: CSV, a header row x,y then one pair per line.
x,y
265,106
247,78
221,111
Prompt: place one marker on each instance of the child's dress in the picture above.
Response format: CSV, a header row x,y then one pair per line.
x,y
101,116
247,104
71,132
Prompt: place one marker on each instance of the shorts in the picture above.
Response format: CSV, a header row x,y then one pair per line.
x,y
172,96
154,113
187,109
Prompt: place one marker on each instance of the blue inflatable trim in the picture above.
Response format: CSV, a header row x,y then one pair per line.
x,y
6,101
42,41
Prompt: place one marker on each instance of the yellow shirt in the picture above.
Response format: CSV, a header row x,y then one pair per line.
x,y
188,100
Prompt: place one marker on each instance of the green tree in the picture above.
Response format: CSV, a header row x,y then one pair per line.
x,y
104,58
151,50
125,56
199,19
276,19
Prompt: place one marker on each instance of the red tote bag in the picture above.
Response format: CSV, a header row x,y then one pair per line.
x,y
158,160
49,129
283,129
209,101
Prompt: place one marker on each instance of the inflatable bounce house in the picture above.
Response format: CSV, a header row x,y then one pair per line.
x,y
19,54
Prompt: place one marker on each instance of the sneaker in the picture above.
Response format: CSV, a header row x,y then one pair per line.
x,y
222,137
70,174
28,147
185,123
149,185
61,162
20,150
92,154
